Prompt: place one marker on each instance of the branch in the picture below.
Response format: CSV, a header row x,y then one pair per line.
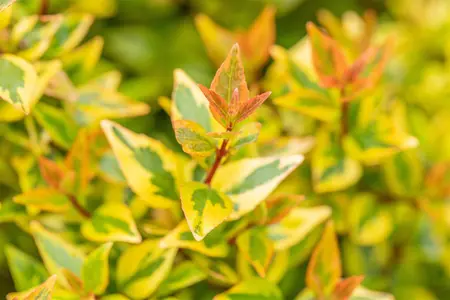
x,y
44,7
219,155
78,207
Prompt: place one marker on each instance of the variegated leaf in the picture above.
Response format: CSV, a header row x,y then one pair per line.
x,y
219,272
181,237
189,103
41,292
26,271
142,268
18,81
46,199
149,167
111,222
182,276
57,254
324,268
253,180
257,248
204,208
247,134
5,4
95,272
193,138
255,288
58,124
79,62
294,227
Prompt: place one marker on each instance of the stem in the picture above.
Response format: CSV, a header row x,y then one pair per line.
x,y
79,208
219,155
44,7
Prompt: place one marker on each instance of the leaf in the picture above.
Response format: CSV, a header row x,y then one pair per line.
x,y
328,58
142,268
204,208
26,271
363,294
111,222
150,168
5,4
311,103
69,35
251,105
217,105
247,134
56,253
95,272
95,104
182,276
41,292
32,35
46,72
189,103
345,288
255,288
181,237
332,170
229,77
18,82
57,123
324,269
192,137
253,180
12,212
219,272
293,228
46,199
370,222
257,248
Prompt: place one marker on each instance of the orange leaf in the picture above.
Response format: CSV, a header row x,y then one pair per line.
x,y
231,76
324,269
51,172
344,289
328,57
217,105
251,105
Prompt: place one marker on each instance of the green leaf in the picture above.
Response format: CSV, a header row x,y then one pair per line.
x,y
192,137
253,180
181,237
150,168
5,4
189,103
18,81
204,208
257,248
69,35
219,272
11,212
56,253
59,125
111,222
370,222
252,289
311,103
41,292
46,199
26,271
95,272
247,134
142,268
332,170
294,227
324,268
182,276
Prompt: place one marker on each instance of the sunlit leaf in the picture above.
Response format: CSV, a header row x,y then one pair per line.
x,y
142,268
204,207
181,237
253,180
112,222
56,253
324,269
192,137
149,167
258,249
18,81
95,272
46,199
255,288
26,271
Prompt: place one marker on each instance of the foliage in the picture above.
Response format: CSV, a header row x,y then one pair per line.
x,y
304,172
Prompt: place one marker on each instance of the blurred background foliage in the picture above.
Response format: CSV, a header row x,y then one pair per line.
x,y
148,39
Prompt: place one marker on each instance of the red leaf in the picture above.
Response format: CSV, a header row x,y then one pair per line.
x,y
51,172
344,289
217,105
251,105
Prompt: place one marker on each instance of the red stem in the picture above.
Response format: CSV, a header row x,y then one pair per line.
x,y
219,155
78,207
44,7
